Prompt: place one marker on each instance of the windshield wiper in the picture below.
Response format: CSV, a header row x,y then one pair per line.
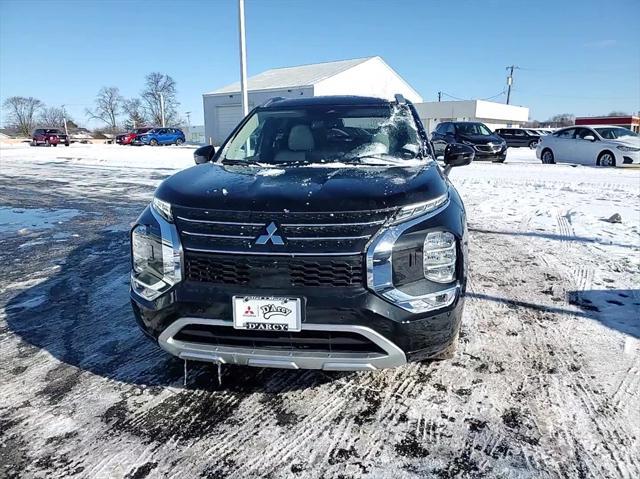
x,y
229,161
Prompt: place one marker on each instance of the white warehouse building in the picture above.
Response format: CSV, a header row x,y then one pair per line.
x,y
369,76
494,115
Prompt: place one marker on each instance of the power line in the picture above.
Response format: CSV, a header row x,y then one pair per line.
x,y
494,96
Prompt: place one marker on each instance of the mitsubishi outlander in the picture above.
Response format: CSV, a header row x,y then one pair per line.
x,y
322,234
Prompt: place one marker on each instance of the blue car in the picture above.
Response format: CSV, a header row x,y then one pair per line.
x,y
161,136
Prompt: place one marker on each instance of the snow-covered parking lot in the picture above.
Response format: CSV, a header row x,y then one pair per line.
x,y
546,382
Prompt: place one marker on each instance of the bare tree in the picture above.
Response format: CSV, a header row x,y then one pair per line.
x,y
618,113
52,117
135,113
21,113
108,107
563,119
157,85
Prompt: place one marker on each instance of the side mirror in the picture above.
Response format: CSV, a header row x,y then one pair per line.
x,y
457,154
590,138
204,154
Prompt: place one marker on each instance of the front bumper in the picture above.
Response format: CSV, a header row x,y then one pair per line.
x,y
627,157
249,356
401,335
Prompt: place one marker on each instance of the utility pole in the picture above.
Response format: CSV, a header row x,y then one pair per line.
x,y
439,96
162,108
510,80
243,60
188,113
64,120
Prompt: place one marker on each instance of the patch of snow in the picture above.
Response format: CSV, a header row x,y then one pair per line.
x,y
22,220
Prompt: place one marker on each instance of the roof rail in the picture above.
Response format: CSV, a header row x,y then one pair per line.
x,y
273,100
400,99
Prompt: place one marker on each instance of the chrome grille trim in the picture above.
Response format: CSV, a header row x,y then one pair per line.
x,y
270,253
213,222
326,238
329,225
212,235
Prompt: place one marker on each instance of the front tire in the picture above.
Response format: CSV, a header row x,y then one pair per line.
x,y
179,141
153,142
547,157
606,159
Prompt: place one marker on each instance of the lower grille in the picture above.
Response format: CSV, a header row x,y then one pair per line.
x,y
307,341
341,272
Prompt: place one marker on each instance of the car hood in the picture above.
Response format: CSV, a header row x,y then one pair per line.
x,y
308,188
481,139
632,141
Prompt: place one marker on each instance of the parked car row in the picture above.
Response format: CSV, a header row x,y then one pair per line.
x,y
599,145
49,137
152,136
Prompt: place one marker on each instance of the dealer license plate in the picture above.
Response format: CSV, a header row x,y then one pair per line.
x,y
260,313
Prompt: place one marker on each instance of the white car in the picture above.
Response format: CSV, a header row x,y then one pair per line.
x,y
600,145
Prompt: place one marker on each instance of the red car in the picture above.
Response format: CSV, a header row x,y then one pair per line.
x,y
49,137
127,138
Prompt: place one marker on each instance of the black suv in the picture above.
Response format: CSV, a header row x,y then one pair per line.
x,y
322,234
519,137
487,145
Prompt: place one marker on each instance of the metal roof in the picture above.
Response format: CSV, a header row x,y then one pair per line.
x,y
331,100
293,77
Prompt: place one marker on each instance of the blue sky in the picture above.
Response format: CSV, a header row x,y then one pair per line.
x,y
581,57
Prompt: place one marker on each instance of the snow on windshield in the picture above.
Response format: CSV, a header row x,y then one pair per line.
x,y
324,134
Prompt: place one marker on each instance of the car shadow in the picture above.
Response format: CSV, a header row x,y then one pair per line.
x,y
614,308
617,309
82,316
552,236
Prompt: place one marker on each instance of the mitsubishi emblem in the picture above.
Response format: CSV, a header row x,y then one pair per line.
x,y
270,236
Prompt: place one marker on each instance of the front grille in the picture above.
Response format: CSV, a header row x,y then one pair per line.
x,y
488,148
301,341
280,272
313,233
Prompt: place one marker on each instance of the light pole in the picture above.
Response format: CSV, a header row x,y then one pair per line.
x,y
243,60
64,120
162,108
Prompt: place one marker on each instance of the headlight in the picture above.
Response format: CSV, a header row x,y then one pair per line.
x,y
627,148
414,272
409,212
439,257
156,263
163,208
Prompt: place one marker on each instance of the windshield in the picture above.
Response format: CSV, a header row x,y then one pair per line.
x,y
473,129
613,133
325,134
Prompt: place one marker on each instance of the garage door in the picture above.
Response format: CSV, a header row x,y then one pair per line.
x,y
228,118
